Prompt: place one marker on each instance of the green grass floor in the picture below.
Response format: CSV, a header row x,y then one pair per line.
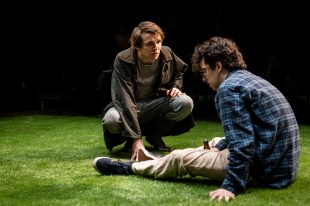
x,y
46,160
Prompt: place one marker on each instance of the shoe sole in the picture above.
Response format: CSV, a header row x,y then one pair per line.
x,y
144,155
163,149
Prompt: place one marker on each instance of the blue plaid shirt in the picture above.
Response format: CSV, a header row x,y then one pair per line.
x,y
261,132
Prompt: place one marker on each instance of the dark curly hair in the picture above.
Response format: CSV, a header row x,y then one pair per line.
x,y
218,49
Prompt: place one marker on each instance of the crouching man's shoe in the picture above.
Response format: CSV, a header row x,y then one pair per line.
x,y
108,166
158,144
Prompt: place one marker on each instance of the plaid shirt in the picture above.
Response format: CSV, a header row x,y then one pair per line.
x,y
261,132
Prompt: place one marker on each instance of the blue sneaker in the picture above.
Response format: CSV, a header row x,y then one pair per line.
x,y
108,166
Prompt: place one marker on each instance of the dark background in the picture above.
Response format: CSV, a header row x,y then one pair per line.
x,y
53,48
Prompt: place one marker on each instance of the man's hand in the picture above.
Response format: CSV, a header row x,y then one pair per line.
x,y
136,145
221,194
174,92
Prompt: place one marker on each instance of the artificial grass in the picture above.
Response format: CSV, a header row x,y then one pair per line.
x,y
46,160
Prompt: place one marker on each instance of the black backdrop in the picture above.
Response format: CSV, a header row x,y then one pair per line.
x,y
51,47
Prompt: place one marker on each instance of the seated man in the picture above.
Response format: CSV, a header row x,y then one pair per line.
x,y
146,93
262,139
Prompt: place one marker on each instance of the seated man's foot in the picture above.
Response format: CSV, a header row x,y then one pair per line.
x,y
145,155
108,166
158,144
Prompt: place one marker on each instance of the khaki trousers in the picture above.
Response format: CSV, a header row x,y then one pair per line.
x,y
190,161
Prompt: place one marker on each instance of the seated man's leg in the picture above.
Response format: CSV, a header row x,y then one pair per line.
x,y
112,126
194,162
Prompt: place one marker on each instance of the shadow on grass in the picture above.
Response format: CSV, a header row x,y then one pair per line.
x,y
192,181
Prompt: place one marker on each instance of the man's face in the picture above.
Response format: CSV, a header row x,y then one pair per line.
x,y
150,49
210,76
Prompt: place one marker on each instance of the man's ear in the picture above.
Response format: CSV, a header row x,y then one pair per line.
x,y
218,65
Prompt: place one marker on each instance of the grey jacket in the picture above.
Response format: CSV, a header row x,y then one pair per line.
x,y
124,83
